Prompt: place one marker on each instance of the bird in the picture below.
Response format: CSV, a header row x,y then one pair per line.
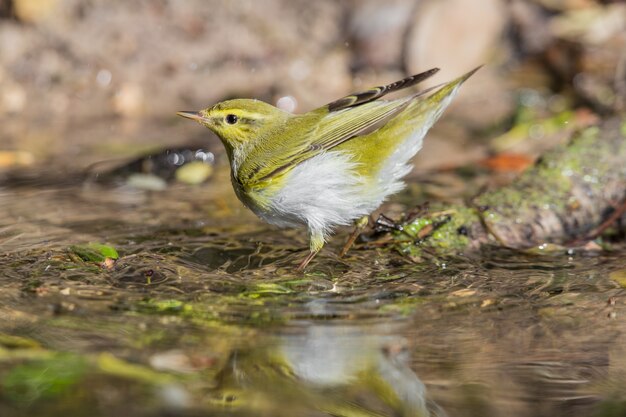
x,y
331,166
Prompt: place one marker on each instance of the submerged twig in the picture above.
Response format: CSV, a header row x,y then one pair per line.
x,y
620,84
596,232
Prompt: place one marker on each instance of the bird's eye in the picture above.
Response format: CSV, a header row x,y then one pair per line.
x,y
231,119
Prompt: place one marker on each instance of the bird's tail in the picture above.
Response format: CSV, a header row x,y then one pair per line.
x,y
411,125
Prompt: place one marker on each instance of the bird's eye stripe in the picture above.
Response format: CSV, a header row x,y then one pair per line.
x,y
248,121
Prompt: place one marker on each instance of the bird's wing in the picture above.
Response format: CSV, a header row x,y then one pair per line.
x,y
342,120
329,131
352,115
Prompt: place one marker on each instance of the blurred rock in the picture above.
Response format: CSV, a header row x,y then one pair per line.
x,y
562,5
6,9
313,90
129,100
85,59
457,35
377,30
194,173
33,11
12,98
592,25
11,159
146,182
439,152
589,52
163,56
530,27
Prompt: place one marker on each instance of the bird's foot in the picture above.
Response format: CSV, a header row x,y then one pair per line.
x,y
359,225
305,261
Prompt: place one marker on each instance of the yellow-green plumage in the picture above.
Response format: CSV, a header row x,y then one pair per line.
x,y
330,166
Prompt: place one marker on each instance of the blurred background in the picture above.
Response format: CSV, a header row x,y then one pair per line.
x,y
78,77
201,313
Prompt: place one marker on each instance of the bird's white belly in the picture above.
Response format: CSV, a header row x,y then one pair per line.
x,y
321,193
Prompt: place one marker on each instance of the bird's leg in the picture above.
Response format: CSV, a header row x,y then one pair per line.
x,y
305,261
316,242
359,225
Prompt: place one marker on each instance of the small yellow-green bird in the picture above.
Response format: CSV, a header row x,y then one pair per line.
x,y
331,166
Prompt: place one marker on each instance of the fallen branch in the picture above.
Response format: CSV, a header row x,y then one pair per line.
x,y
573,193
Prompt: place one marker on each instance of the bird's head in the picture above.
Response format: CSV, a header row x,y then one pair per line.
x,y
239,122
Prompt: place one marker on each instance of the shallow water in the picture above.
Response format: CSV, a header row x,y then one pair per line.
x,y
202,315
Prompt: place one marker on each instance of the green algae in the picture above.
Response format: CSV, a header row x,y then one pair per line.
x,y
619,277
17,342
448,236
94,252
612,407
266,289
42,379
113,366
404,306
152,306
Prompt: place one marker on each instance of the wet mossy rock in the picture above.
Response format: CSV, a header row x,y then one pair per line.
x,y
569,191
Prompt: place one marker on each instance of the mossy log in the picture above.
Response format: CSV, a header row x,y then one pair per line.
x,y
562,199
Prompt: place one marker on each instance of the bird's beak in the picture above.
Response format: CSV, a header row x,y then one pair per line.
x,y
193,115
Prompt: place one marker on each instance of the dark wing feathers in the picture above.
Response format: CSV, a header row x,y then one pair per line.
x,y
378,92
